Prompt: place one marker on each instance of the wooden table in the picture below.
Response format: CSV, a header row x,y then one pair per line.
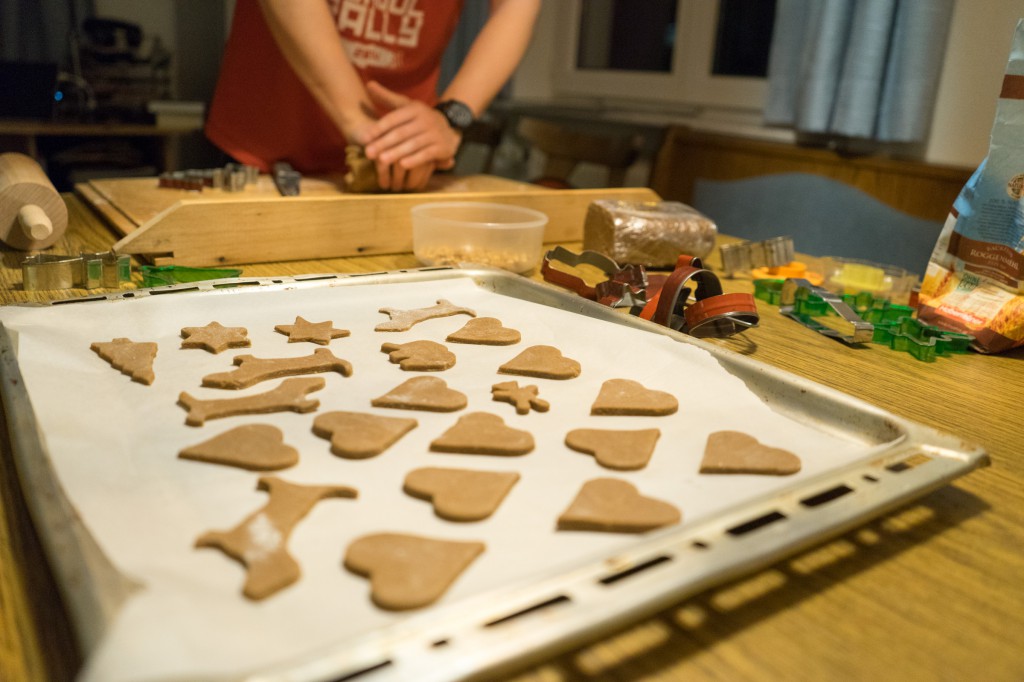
x,y
934,591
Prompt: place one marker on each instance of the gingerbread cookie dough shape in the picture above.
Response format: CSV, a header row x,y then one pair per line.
x,y
260,541
627,397
290,394
614,506
524,398
429,394
734,452
419,356
215,337
358,435
257,447
313,332
403,320
482,433
409,571
361,177
460,494
545,362
131,358
615,449
252,370
487,331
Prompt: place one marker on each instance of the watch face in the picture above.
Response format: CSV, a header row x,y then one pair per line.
x,y
458,114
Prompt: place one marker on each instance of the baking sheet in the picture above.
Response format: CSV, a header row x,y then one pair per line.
x,y
113,445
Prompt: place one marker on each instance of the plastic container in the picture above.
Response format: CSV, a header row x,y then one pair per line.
x,y
500,235
852,276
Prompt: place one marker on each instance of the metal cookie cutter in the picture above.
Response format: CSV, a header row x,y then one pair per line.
x,y
849,328
742,256
286,179
87,271
710,312
626,287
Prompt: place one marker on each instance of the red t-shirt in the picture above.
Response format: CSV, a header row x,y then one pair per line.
x,y
262,113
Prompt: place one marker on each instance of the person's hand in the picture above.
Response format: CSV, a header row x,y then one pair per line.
x,y
408,133
396,178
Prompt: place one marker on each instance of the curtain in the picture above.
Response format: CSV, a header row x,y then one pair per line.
x,y
40,30
857,68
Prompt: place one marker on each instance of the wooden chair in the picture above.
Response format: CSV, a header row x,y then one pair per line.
x,y
565,147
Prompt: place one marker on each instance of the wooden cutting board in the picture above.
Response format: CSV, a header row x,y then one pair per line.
x,y
257,225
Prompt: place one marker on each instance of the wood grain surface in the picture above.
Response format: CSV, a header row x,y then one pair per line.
x,y
933,591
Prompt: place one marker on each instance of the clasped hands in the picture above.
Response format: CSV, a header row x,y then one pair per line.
x,y
408,142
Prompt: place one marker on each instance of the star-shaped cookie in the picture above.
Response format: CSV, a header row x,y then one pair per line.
x,y
313,332
215,337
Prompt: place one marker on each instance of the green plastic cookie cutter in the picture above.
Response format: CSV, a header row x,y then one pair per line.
x,y
924,342
159,275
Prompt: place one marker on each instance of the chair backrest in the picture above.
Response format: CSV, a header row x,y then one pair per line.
x,y
824,217
564,147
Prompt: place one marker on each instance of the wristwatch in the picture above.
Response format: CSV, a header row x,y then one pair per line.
x,y
458,114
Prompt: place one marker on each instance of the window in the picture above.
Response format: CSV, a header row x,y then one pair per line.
x,y
696,53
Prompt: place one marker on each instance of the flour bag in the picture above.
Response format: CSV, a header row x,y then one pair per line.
x,y
975,277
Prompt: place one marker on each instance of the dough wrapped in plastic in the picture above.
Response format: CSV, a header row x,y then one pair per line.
x,y
648,233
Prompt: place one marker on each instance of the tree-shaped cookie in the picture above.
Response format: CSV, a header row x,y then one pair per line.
x,y
260,541
132,358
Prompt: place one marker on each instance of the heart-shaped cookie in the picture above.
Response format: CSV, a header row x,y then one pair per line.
x,y
487,331
615,449
257,447
482,433
614,506
546,362
430,394
460,494
734,452
627,397
419,356
358,435
409,571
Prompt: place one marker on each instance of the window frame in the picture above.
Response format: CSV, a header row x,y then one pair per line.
x,y
690,83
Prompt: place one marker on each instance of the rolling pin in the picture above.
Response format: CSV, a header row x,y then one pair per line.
x,y
32,214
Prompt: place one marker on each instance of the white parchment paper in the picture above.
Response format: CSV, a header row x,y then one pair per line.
x,y
114,446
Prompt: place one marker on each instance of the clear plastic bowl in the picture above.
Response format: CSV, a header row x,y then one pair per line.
x,y
500,235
